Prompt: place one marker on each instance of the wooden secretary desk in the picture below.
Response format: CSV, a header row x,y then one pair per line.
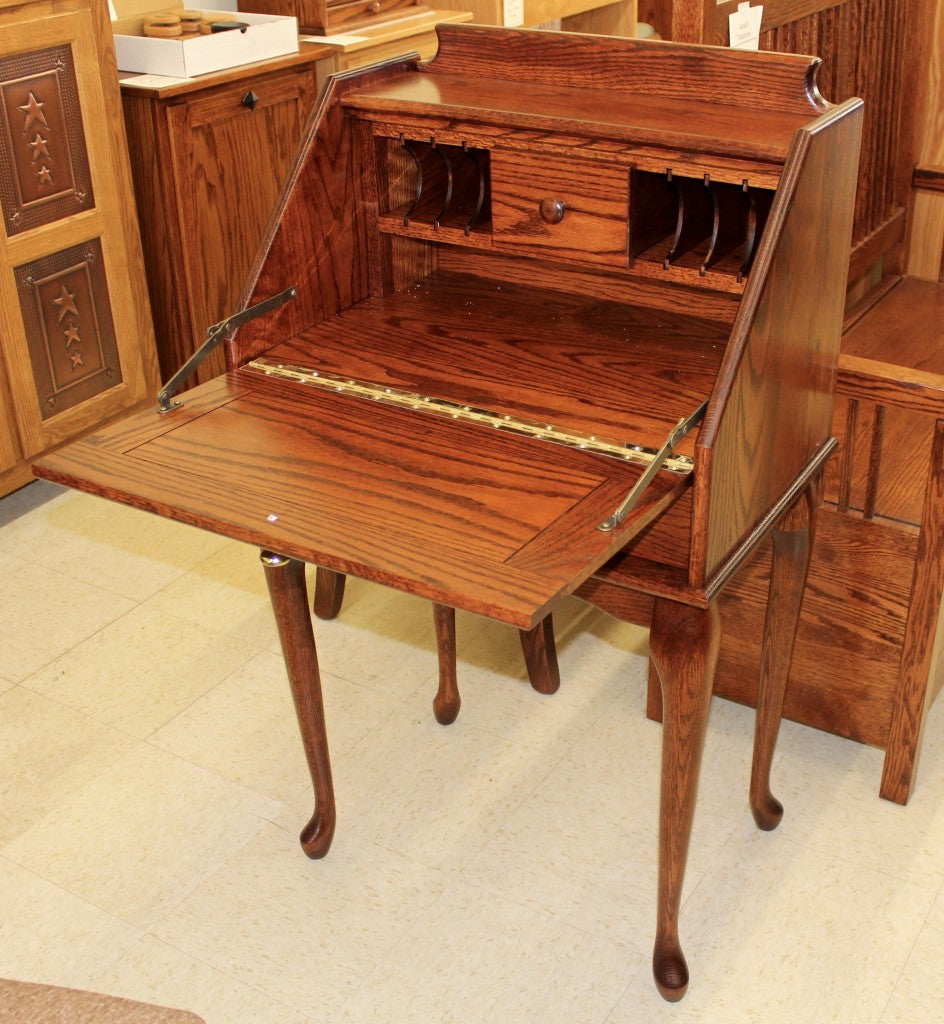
x,y
547,312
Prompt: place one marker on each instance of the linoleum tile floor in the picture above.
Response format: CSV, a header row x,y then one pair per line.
x,y
498,870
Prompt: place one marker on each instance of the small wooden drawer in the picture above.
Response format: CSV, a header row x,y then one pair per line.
x,y
365,12
578,208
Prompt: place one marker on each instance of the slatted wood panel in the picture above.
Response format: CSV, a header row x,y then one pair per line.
x,y
871,49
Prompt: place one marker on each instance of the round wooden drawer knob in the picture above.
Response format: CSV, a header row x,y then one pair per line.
x,y
552,210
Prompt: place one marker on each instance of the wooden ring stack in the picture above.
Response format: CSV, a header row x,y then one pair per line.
x,y
165,25
190,22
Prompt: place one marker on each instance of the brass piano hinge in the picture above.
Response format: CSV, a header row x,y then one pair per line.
x,y
466,413
215,335
660,461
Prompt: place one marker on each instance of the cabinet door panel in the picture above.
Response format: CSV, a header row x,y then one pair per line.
x,y
77,340
232,151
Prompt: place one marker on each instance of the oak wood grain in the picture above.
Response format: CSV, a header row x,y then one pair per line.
x,y
577,363
683,644
493,522
317,235
373,499
761,434
633,67
207,172
922,639
713,129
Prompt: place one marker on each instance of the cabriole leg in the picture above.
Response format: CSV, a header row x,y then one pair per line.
x,y
792,540
683,644
540,656
285,578
447,700
329,593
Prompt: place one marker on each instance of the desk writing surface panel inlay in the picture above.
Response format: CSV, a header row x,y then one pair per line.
x,y
362,487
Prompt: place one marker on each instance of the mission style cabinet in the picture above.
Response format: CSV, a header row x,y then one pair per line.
x,y
76,342
209,156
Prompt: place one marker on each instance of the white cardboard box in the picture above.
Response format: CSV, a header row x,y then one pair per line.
x,y
267,36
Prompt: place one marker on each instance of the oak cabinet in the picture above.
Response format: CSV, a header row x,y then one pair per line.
x,y
209,156
76,342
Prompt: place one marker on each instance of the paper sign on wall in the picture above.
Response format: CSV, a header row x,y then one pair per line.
x,y
744,26
513,13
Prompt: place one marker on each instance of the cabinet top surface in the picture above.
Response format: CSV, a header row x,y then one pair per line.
x,y
160,87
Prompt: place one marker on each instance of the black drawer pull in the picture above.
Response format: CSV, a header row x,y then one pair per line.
x,y
250,100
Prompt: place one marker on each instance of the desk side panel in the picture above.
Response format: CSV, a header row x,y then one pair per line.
x,y
318,237
772,407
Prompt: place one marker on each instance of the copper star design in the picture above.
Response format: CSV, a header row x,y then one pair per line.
x,y
72,336
44,175
33,109
40,147
76,358
66,303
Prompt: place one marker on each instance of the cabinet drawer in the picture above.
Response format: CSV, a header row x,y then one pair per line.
x,y
573,207
363,12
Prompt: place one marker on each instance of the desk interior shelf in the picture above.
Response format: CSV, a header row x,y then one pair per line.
x,y
697,224
652,223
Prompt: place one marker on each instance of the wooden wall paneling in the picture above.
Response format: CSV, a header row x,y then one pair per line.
x,y
872,49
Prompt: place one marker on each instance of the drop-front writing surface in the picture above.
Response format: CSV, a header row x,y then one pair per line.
x,y
523,274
